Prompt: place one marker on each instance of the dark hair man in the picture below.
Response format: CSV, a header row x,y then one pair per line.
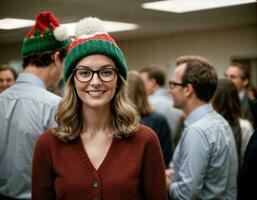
x,y
27,108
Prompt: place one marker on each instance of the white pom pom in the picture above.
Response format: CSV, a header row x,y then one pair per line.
x,y
60,33
89,26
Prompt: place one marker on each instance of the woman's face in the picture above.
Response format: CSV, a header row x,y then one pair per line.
x,y
95,81
7,79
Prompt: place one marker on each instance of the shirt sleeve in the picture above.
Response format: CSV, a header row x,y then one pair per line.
x,y
194,156
43,176
153,171
49,118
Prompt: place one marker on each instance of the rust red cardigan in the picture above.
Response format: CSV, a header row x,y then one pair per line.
x,y
133,169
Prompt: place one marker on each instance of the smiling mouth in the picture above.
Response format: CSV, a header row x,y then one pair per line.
x,y
96,93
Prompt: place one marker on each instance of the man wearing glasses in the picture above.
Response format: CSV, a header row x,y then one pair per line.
x,y
205,161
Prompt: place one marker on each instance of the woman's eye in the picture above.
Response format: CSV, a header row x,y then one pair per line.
x,y
107,72
85,73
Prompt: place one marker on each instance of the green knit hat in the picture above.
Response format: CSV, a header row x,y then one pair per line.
x,y
92,40
45,35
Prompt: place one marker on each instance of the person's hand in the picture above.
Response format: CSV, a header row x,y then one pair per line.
x,y
250,94
169,174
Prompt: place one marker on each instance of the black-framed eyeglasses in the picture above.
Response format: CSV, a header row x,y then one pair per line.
x,y
85,74
173,84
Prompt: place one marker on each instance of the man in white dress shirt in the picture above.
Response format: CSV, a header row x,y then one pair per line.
x,y
27,108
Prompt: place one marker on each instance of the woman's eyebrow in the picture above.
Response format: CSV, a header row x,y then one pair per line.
x,y
101,67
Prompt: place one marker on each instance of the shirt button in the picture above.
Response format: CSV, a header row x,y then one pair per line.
x,y
95,184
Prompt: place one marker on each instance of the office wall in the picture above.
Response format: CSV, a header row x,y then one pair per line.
x,y
219,46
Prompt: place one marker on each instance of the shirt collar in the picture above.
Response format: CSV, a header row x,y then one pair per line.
x,y
31,79
241,95
160,91
197,114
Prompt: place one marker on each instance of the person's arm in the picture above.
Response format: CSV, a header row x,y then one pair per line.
x,y
194,160
49,118
43,175
153,171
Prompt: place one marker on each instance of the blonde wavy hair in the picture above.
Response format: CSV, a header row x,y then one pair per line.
x,y
137,93
69,116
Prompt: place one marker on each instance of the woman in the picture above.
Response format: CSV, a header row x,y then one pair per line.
x,y
7,77
98,150
137,94
226,102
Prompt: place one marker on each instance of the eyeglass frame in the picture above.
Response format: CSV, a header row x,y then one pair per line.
x,y
74,71
173,84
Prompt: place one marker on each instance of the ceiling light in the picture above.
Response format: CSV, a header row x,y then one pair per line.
x,y
109,26
13,23
181,6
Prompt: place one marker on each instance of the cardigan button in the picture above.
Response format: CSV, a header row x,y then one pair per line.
x,y
95,184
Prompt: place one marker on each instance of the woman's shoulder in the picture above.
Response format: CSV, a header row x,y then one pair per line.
x,y
47,138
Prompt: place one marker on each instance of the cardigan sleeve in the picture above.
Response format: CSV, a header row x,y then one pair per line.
x,y
43,175
153,174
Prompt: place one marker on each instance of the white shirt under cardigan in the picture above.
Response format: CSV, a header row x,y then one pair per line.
x,y
26,110
205,160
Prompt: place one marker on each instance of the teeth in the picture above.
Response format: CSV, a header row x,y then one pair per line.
x,y
95,93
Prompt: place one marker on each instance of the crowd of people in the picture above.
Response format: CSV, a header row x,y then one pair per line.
x,y
116,134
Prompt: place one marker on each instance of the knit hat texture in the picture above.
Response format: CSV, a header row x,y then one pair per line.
x,y
91,39
45,35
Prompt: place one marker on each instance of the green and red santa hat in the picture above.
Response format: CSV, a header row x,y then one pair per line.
x,y
45,35
91,39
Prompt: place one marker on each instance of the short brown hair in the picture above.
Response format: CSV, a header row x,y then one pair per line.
x,y
9,68
155,73
200,74
42,59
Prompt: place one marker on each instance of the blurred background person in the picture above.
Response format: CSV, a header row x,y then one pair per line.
x,y
154,79
240,76
7,77
251,93
248,174
27,108
137,94
226,102
160,100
